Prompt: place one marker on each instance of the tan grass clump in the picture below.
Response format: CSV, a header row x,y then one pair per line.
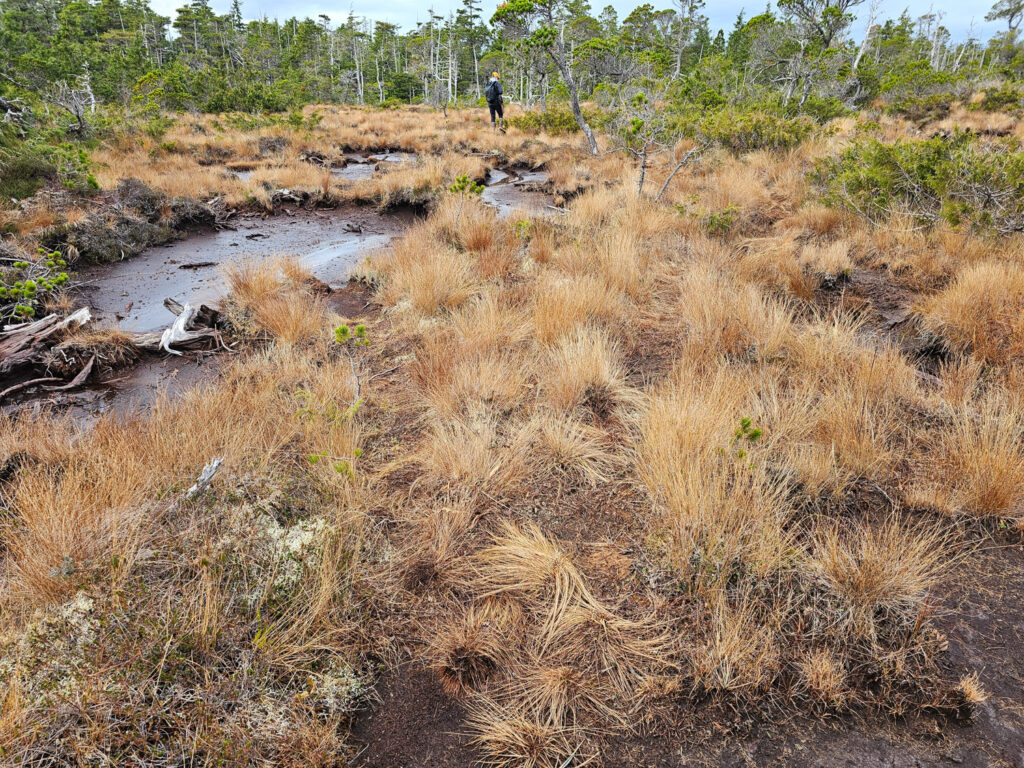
x,y
880,574
978,467
456,379
573,665
980,312
426,279
563,306
723,320
566,447
274,296
584,371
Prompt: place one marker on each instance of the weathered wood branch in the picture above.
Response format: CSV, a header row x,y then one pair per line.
x,y
24,343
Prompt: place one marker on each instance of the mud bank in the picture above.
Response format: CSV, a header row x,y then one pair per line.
x,y
121,393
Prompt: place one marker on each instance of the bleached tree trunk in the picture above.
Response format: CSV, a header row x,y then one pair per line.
x,y
963,47
476,72
561,61
872,10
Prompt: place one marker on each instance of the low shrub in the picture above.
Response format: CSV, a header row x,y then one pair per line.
x,y
29,165
22,175
742,130
1005,98
554,120
920,93
963,180
923,109
26,285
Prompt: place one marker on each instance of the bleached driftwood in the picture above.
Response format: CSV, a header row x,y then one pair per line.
x,y
23,343
203,482
185,330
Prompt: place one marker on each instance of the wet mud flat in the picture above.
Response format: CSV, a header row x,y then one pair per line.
x,y
129,294
124,392
517,190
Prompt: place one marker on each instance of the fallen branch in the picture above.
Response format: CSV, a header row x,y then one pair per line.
x,y
686,158
26,385
185,329
79,379
205,477
200,485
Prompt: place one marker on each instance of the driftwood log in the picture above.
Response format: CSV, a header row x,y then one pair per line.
x,y
25,343
29,345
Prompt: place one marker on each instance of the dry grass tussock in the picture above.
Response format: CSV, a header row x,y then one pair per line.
x,y
273,297
980,312
569,663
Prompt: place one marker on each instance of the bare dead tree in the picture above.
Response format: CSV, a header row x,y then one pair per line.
x,y
75,99
14,111
868,32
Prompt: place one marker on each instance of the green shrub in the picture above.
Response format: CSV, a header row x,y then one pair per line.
x,y
744,130
822,108
554,120
923,109
919,92
24,285
720,223
1005,98
23,174
29,165
965,180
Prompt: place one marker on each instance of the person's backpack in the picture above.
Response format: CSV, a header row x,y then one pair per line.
x,y
491,91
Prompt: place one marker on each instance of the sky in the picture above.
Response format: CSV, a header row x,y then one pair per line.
x,y
959,14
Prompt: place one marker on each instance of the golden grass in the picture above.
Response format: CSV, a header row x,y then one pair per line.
x,y
879,572
490,321
426,283
979,470
740,444
724,320
583,370
563,306
563,446
97,499
980,312
273,296
453,380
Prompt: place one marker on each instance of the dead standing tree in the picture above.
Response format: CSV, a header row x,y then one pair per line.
x,y
75,98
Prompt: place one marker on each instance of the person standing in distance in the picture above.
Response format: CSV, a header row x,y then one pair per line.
x,y
493,93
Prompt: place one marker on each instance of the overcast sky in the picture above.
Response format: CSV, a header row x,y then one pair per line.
x,y
959,14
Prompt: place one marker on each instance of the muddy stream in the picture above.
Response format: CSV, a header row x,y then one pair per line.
x,y
130,294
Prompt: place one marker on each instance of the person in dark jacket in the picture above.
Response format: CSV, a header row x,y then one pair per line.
x,y
493,93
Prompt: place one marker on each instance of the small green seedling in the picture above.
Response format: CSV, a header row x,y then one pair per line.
x,y
464,185
343,335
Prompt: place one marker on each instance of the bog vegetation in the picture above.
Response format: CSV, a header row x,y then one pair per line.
x,y
710,437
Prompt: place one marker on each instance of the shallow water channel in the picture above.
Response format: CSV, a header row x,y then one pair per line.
x,y
130,293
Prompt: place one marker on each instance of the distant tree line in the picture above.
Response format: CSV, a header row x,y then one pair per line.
x,y
75,54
